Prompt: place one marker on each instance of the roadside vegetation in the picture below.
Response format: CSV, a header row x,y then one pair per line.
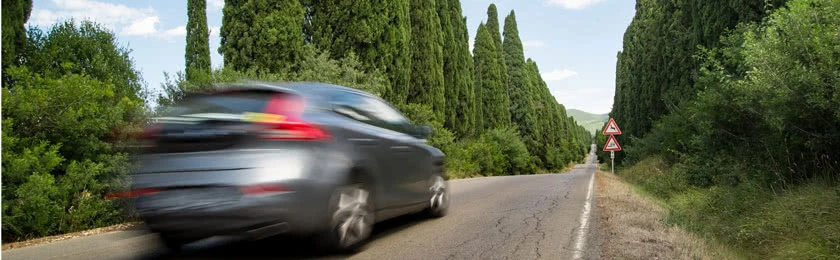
x,y
632,227
73,101
742,149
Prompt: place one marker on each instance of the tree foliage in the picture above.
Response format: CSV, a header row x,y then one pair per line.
x,y
495,32
427,83
767,87
197,54
492,100
262,35
656,70
463,99
15,15
377,31
86,48
74,88
522,109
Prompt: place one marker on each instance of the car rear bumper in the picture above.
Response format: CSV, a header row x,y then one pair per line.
x,y
300,212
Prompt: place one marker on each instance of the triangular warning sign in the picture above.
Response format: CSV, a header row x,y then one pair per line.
x,y
612,145
612,128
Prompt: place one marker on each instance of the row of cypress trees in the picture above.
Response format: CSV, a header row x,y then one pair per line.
x,y
423,48
657,68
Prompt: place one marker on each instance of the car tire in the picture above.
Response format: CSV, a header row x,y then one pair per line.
x,y
351,218
439,197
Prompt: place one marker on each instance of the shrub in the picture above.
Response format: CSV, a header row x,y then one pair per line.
x,y
74,88
517,159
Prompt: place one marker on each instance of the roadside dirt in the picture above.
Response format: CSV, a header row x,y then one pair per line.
x,y
50,239
632,227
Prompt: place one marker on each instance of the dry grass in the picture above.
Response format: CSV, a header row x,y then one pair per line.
x,y
631,228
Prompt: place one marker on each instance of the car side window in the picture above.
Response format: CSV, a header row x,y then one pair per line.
x,y
389,117
352,106
369,110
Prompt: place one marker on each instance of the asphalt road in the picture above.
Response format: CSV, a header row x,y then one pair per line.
x,y
510,217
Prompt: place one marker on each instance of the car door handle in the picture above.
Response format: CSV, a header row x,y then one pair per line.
x,y
363,141
400,148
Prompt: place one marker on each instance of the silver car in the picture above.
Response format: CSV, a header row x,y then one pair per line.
x,y
259,159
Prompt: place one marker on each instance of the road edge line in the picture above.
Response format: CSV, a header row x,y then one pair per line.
x,y
580,244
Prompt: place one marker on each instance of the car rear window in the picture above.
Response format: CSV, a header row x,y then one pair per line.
x,y
225,103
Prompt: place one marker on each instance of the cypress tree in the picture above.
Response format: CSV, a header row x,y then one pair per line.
x,y
491,94
522,109
495,32
427,57
377,31
450,59
656,68
15,15
197,54
262,35
465,99
398,36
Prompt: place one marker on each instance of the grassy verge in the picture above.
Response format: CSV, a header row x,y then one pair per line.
x,y
632,227
802,222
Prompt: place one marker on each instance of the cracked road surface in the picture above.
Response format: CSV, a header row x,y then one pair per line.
x,y
510,217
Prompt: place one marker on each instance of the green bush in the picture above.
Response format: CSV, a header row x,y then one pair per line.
x,y
489,157
61,112
517,159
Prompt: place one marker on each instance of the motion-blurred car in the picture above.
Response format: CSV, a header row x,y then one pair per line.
x,y
258,159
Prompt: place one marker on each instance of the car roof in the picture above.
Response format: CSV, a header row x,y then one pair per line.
x,y
304,88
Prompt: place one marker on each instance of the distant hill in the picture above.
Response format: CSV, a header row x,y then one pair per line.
x,y
592,122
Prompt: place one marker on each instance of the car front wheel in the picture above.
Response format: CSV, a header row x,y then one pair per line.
x,y
439,200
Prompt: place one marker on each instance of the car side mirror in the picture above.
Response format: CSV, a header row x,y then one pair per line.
x,y
422,131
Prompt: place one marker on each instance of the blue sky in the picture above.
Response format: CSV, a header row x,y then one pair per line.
x,y
575,42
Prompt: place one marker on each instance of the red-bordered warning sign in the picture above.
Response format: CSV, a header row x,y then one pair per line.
x,y
612,144
612,128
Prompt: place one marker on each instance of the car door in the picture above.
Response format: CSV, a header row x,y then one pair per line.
x,y
407,152
379,144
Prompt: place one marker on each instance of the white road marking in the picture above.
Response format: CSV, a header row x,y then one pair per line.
x,y
584,221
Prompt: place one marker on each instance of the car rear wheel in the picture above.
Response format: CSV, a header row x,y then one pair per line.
x,y
439,200
352,218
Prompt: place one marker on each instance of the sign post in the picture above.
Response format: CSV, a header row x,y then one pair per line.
x,y
612,144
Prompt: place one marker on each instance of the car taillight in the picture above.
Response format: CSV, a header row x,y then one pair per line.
x,y
150,132
261,189
132,193
289,125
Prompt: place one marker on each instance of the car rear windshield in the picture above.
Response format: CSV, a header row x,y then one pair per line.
x,y
222,103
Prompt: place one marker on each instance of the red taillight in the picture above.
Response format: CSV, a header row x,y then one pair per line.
x,y
132,193
150,132
291,127
263,189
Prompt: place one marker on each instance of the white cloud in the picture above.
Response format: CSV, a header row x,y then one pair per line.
x,y
120,18
557,75
217,4
535,44
179,31
145,26
574,4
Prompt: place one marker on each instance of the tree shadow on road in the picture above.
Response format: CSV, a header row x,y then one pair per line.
x,y
276,248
